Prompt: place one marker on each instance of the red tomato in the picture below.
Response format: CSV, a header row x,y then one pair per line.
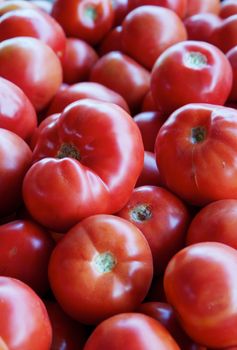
x,y
33,23
149,124
79,91
115,268
156,37
228,8
15,159
177,6
224,36
47,121
196,151
165,314
200,283
201,26
215,222
132,82
67,333
202,6
202,68
148,103
83,173
33,66
232,57
17,113
77,61
137,331
120,8
150,173
25,323
25,249
111,41
162,218
88,20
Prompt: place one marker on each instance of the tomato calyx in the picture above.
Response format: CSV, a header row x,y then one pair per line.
x,y
105,262
68,150
195,60
198,134
141,212
91,13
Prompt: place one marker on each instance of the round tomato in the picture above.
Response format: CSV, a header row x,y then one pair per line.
x,y
201,26
115,268
137,331
150,173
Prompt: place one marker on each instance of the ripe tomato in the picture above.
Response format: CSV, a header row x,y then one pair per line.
x,y
203,69
201,26
83,173
25,249
137,331
200,283
115,268
232,57
228,8
177,6
156,38
150,173
33,66
162,218
24,319
224,35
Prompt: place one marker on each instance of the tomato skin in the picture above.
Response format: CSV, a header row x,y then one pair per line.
x,y
149,124
36,24
83,90
67,333
228,8
148,103
111,41
88,20
201,26
226,29
204,70
204,276
33,66
17,113
182,158
78,59
129,328
156,38
162,218
132,82
97,183
232,57
96,292
15,160
25,249
207,6
177,6
26,324
150,173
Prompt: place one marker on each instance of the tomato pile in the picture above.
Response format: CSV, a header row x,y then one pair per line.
x,y
118,175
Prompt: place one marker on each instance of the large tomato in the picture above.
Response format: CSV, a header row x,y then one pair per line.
x,y
196,153
131,331
201,26
87,167
24,320
200,283
190,72
102,266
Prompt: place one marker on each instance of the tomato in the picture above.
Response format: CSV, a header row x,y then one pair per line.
x,y
196,152
132,82
111,41
77,61
33,66
17,113
67,333
25,249
148,103
202,6
228,8
79,91
162,218
156,38
83,173
88,20
33,23
115,268
200,283
137,331
25,323
215,222
202,68
165,314
232,57
120,8
201,26
224,36
150,173
15,159
45,122
177,6
149,124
